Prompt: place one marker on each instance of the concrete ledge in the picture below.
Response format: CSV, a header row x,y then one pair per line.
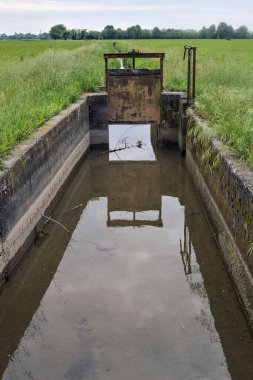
x,y
172,112
34,173
226,189
98,120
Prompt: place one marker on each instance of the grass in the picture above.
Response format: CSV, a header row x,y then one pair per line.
x,y
35,89
19,50
39,78
224,84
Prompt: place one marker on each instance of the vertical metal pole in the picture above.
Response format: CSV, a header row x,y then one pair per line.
x,y
161,71
194,75
106,74
189,77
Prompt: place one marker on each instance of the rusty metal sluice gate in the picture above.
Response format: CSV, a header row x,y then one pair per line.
x,y
134,95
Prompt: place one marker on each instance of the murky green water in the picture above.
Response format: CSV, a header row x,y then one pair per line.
x,y
137,290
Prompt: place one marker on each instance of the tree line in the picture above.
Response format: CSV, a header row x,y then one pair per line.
x,y
222,31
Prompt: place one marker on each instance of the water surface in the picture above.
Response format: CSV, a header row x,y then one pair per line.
x,y
138,289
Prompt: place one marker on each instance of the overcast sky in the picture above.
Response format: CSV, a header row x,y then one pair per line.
x,y
35,15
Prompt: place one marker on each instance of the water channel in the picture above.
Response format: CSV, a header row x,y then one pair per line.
x,y
135,290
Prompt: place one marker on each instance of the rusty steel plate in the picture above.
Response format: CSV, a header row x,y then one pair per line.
x,y
134,96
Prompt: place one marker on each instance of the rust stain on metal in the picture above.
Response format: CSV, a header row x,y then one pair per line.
x,y
134,94
134,98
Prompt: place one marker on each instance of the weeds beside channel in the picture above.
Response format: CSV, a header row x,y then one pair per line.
x,y
35,89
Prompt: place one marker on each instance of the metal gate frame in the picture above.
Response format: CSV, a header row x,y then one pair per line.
x,y
134,94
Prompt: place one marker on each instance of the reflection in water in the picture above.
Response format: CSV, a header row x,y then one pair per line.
x,y
196,284
186,251
121,303
131,143
143,199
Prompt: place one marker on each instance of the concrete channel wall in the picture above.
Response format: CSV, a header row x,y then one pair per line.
x,y
32,176
226,188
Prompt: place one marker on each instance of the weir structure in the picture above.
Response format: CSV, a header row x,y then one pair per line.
x,y
134,95
137,95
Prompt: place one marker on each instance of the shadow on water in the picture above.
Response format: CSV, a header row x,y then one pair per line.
x,y
137,291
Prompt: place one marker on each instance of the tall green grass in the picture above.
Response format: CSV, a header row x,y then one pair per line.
x,y
39,78
224,84
33,90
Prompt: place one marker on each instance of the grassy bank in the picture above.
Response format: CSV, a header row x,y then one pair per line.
x,y
35,89
224,84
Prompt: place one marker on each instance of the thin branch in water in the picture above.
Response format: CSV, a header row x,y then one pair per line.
x,y
122,134
55,221
73,208
116,150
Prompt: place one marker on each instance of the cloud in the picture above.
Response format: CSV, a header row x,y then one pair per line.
x,y
27,15
88,6
64,6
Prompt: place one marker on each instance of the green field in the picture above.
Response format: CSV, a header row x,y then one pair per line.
x,y
39,78
19,50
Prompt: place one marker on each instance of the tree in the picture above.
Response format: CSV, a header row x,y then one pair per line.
x,y
146,33
242,32
134,32
65,34
225,31
93,35
203,33
156,33
211,32
44,36
109,32
57,31
73,34
120,34
83,34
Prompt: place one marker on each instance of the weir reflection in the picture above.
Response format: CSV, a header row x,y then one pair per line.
x,y
134,187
